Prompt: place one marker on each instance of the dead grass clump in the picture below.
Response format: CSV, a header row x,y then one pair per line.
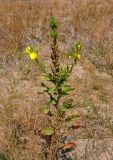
x,y
20,138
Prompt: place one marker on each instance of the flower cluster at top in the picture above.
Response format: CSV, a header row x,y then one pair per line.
x,y
34,55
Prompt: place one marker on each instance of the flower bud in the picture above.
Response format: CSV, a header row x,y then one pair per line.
x,y
28,50
78,46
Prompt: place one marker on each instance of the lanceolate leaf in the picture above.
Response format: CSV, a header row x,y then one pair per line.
x,y
52,100
67,105
62,75
51,77
53,23
64,109
51,90
66,89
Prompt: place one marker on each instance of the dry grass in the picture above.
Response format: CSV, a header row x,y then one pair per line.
x,y
26,22
23,21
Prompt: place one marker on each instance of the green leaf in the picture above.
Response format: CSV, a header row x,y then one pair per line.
x,y
66,89
51,77
70,118
63,75
52,100
64,109
53,34
67,105
53,23
48,131
52,90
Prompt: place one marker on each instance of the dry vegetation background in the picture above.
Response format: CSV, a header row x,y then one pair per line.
x,y
24,22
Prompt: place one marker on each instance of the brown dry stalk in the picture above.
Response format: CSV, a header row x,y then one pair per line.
x,y
55,56
55,138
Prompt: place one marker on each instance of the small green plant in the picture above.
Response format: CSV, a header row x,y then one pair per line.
x,y
56,87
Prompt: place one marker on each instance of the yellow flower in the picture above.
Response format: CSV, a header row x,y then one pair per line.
x,y
28,50
34,55
77,56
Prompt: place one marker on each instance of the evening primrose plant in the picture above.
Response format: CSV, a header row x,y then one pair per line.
x,y
56,87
